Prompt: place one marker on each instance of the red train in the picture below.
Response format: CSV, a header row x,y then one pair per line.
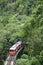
x,y
15,48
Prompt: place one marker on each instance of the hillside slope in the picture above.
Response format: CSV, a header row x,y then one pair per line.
x,y
22,19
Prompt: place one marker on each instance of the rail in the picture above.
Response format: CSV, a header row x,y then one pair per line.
x,y
11,60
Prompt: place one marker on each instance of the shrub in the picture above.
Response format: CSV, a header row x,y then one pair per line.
x,y
24,56
34,61
22,62
41,57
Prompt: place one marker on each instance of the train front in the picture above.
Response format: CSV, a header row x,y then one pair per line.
x,y
12,51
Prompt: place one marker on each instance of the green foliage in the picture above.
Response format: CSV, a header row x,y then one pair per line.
x,y
34,61
24,56
22,62
41,57
22,19
4,20
1,1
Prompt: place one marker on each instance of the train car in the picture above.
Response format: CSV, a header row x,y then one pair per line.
x,y
15,48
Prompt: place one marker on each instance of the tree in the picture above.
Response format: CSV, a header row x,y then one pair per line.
x,y
41,57
34,61
22,62
24,56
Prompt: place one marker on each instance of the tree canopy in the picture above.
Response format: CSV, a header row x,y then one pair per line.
x,y
22,19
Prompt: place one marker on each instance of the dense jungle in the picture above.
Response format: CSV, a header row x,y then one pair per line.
x,y
23,20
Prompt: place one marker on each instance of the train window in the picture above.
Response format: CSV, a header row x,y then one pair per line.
x,y
11,50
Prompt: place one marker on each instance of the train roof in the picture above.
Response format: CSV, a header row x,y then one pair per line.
x,y
15,45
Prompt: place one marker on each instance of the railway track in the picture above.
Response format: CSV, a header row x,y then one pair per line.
x,y
11,60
